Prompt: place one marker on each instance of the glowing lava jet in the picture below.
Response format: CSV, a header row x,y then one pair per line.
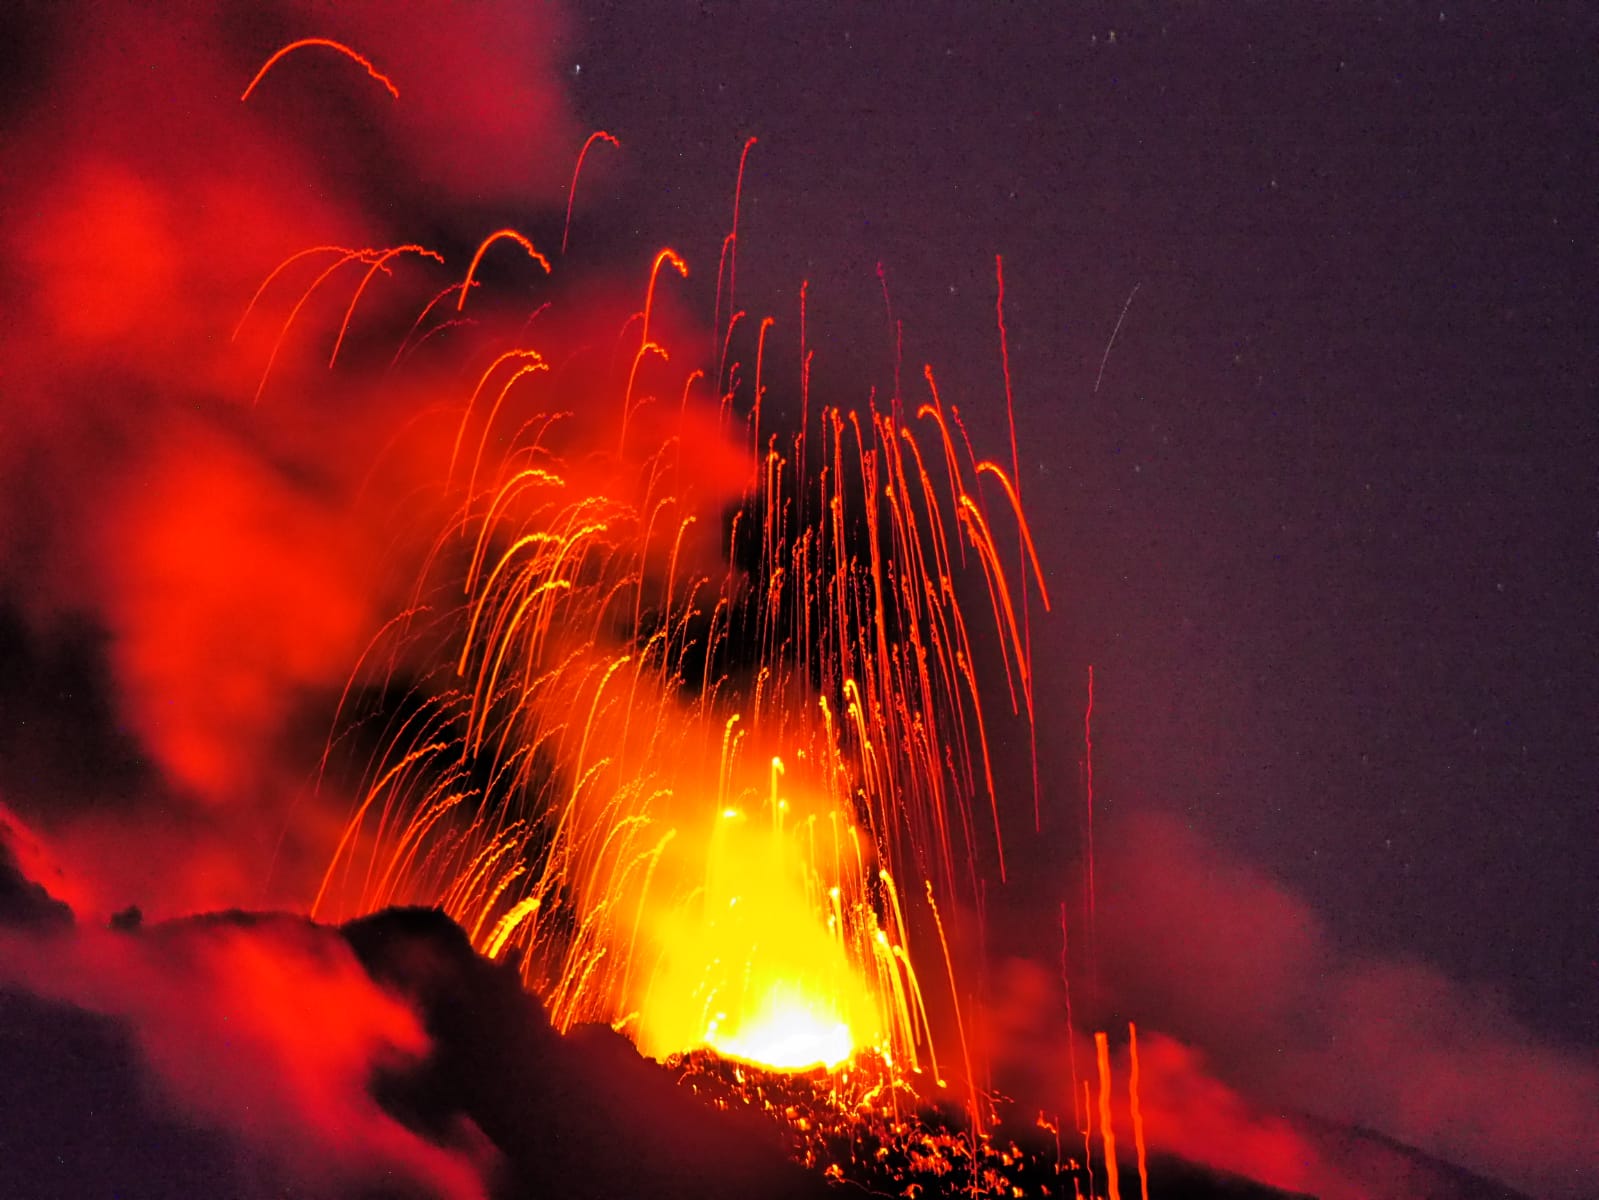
x,y
702,695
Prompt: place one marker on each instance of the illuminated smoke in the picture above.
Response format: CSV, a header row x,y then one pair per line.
x,y
1263,1045
228,561
217,1016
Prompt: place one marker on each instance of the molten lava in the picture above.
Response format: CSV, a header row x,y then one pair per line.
x,y
788,1029
683,789
688,697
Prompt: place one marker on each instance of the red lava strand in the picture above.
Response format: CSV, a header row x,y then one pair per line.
x,y
1088,775
1138,1112
1016,476
730,243
331,45
599,135
513,235
1107,1135
1071,1027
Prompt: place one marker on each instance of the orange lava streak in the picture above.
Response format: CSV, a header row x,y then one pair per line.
x,y
760,388
460,433
352,828
738,193
1107,1135
331,45
1014,496
1088,777
982,539
1027,540
1138,1112
960,1024
407,345
513,235
536,365
343,251
599,135
1004,359
665,256
365,256
1071,1025
380,263
899,357
935,413
639,355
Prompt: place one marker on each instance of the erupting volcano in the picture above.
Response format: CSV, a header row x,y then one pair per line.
x,y
684,717
526,670
682,789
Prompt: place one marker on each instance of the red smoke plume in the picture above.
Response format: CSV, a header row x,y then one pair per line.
x,y
1218,955
236,555
268,1032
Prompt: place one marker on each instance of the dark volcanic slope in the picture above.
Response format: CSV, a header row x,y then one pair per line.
x,y
256,1055
1369,1158
583,1114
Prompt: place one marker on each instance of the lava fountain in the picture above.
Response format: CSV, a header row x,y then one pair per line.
x,y
698,740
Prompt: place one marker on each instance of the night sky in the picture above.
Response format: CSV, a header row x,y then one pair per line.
x,y
1327,528
1299,324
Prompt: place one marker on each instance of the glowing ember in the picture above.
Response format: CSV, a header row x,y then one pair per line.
x,y
864,1125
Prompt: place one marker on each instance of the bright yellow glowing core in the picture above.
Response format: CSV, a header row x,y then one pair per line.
x,y
788,1031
